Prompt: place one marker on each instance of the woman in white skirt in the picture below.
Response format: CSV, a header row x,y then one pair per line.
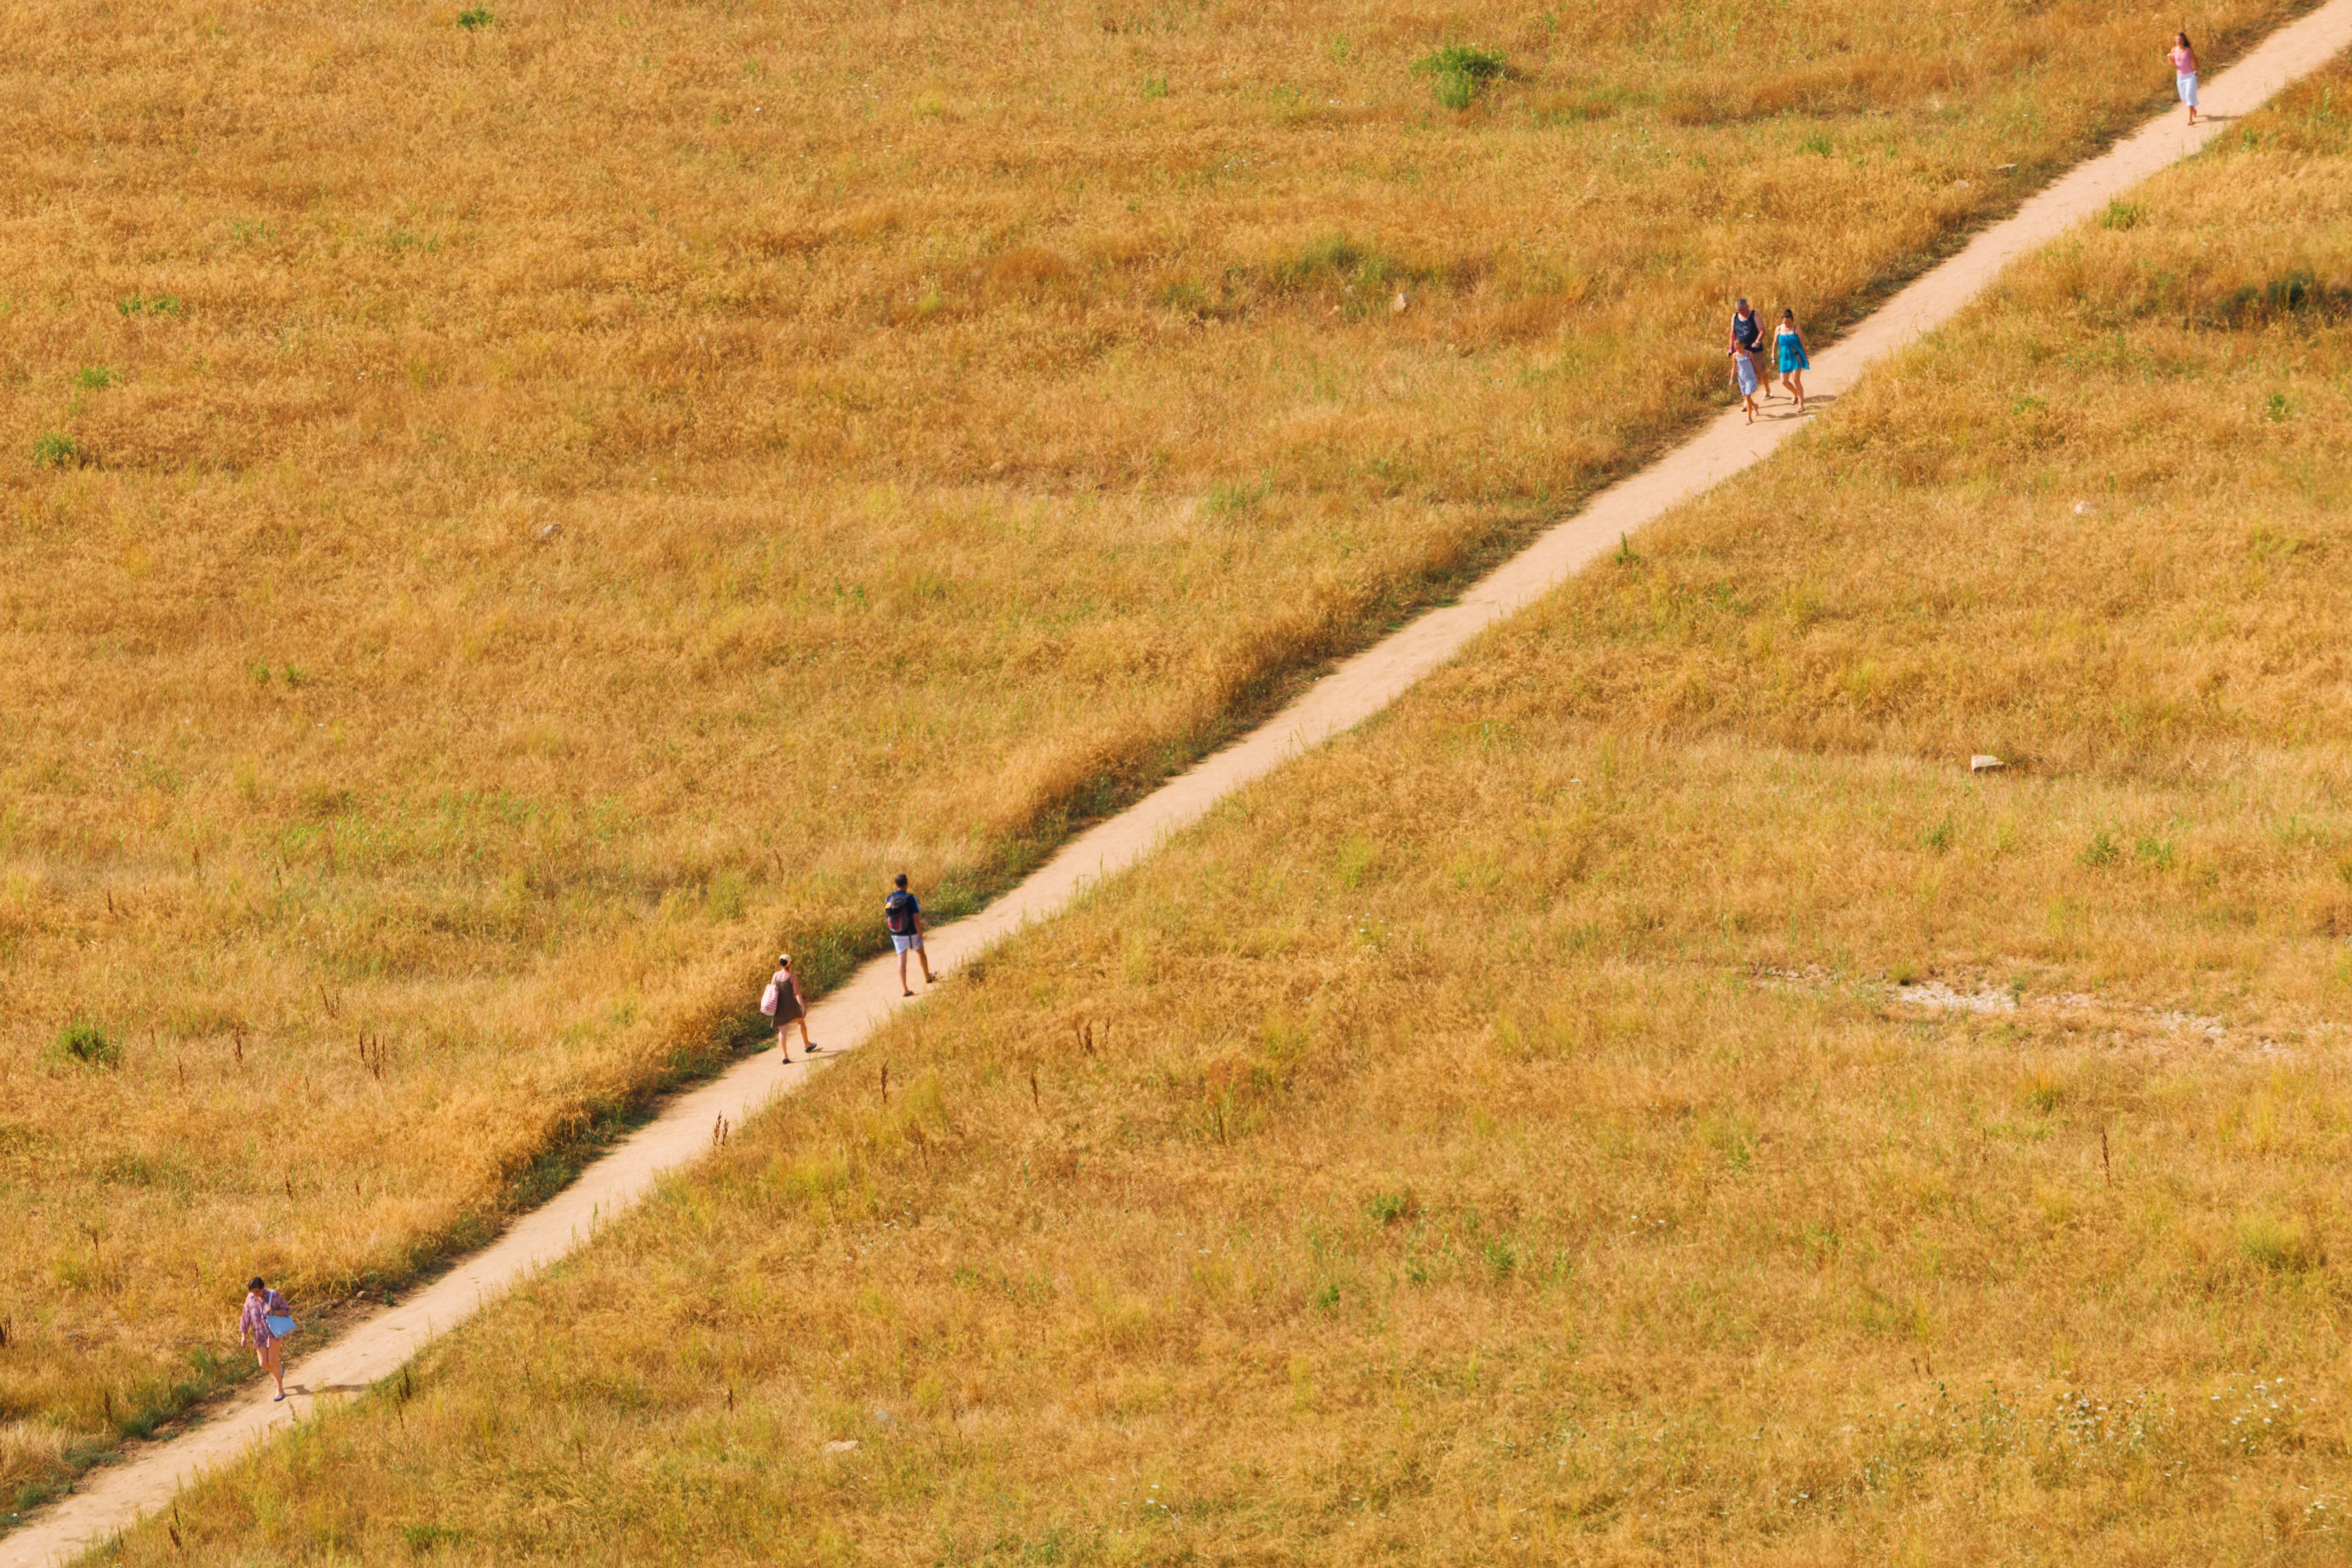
x,y
2184,72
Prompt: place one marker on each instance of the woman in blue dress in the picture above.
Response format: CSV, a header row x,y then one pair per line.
x,y
1793,362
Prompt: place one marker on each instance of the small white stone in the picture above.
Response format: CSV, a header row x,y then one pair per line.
x,y
1983,764
1398,304
841,1445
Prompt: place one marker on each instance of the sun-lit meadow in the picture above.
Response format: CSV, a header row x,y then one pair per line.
x,y
511,512
1643,1101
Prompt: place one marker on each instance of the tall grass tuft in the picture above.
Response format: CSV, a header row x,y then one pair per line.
x,y
87,1045
1459,72
55,449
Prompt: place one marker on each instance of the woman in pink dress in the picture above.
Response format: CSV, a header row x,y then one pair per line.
x,y
2184,72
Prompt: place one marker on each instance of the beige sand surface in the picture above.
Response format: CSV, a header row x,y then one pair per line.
x,y
147,1477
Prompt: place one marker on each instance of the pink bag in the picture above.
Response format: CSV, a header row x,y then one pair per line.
x,y
768,999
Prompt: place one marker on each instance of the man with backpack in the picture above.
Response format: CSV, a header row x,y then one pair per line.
x,y
902,911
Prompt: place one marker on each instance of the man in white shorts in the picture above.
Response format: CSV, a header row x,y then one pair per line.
x,y
902,911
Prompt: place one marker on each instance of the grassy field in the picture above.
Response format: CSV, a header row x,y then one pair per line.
x,y
514,513
1641,1100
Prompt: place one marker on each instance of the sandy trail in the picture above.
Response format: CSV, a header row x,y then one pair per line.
x,y
114,1496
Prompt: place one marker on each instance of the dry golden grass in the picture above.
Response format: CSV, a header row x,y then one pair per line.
x,y
508,523
1499,1137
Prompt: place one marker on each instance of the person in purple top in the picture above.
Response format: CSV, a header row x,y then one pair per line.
x,y
257,1327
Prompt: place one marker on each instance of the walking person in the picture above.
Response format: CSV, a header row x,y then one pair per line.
x,y
902,911
1791,346
1743,375
2184,72
1748,332
266,1320
784,1003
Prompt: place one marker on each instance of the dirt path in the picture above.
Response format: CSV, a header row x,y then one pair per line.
x,y
147,1479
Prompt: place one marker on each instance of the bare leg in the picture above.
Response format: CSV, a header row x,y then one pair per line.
x,y
273,1363
903,987
926,957
805,1038
1796,383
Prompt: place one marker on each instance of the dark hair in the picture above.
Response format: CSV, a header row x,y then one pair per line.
x,y
2183,39
255,1284
1786,314
1742,305
784,960
902,879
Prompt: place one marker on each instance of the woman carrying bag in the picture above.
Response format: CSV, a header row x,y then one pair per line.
x,y
267,1319
782,1002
